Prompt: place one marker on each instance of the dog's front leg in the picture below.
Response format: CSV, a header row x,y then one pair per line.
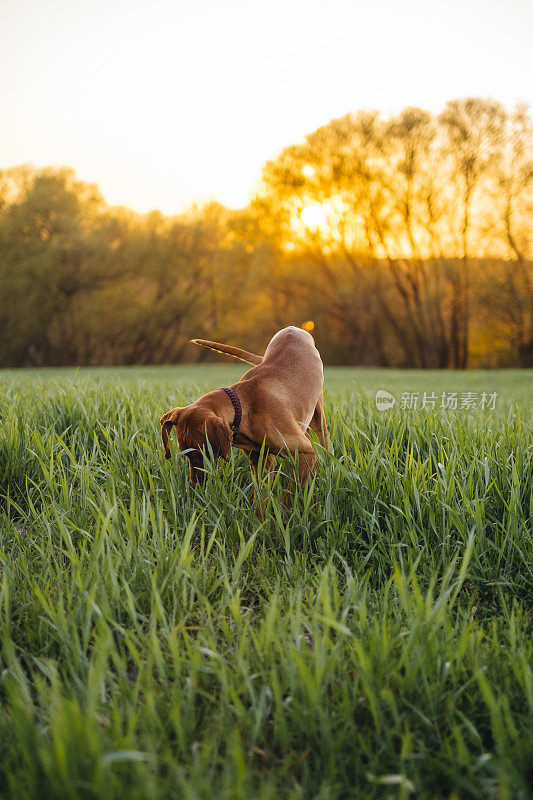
x,y
306,462
267,465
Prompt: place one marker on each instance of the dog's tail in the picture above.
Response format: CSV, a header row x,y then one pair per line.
x,y
228,350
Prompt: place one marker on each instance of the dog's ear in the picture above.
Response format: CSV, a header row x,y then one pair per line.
x,y
220,436
167,421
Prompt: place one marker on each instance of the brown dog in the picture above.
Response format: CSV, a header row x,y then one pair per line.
x,y
280,399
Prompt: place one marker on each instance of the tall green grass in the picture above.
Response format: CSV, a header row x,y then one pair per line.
x,y
156,642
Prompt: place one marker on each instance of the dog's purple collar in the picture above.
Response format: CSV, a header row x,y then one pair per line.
x,y
234,397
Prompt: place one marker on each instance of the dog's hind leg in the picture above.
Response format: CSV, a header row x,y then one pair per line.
x,y
267,466
306,462
318,424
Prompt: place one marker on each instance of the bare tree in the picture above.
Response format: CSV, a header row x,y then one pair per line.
x,y
475,134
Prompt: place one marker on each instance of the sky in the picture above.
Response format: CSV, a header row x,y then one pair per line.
x,y
170,102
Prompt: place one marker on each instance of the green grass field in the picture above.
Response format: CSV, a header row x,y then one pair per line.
x,y
156,642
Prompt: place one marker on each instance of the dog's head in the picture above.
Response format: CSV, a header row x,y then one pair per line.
x,y
195,427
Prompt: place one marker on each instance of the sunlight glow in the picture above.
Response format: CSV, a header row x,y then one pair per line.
x,y
314,217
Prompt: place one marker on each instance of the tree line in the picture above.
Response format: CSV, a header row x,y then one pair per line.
x,y
407,241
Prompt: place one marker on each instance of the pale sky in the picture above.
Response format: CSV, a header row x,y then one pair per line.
x,y
163,103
